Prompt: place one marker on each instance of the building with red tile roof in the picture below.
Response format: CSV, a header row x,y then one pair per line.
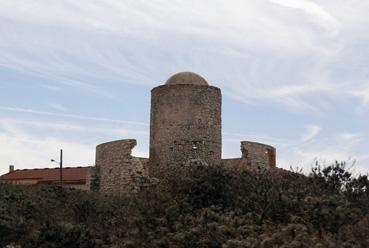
x,y
73,177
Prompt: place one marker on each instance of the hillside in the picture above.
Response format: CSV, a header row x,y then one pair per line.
x,y
197,207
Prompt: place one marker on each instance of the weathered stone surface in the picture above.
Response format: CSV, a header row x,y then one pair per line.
x,y
258,155
185,125
255,156
119,172
186,78
145,165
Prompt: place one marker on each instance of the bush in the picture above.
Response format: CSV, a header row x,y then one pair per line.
x,y
198,206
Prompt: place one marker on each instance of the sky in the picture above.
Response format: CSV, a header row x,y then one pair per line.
x,y
293,74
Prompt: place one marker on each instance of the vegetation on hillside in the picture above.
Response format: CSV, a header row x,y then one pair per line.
x,y
196,207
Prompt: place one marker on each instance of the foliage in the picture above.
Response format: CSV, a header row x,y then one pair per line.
x,y
196,206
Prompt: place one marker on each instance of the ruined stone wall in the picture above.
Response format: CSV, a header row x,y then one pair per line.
x,y
258,155
145,165
255,156
89,177
118,172
185,125
234,163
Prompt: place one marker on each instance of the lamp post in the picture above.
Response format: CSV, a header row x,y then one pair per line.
x,y
60,167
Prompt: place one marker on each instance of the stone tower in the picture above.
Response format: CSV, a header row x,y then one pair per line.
x,y
185,129
185,123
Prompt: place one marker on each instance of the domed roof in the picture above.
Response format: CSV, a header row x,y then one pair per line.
x,y
186,78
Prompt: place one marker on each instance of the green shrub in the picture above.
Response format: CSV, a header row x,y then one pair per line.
x,y
201,206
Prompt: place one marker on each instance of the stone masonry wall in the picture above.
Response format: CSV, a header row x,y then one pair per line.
x,y
117,170
255,156
185,125
258,155
145,165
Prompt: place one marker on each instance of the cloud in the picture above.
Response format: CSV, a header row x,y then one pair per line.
x,y
311,132
72,116
85,87
51,87
349,137
286,60
26,151
341,147
230,137
22,145
70,127
304,151
58,107
69,41
362,93
310,8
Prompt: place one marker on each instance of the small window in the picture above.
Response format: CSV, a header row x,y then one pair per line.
x,y
194,145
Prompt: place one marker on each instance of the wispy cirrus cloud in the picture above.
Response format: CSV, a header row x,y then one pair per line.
x,y
341,147
56,41
58,107
311,8
71,127
311,132
72,116
350,137
362,93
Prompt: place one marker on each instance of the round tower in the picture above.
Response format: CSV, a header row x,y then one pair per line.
x,y
185,123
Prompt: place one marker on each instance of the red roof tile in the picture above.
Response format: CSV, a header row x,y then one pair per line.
x,y
48,174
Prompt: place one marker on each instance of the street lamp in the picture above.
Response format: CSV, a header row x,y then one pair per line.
x,y
60,167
